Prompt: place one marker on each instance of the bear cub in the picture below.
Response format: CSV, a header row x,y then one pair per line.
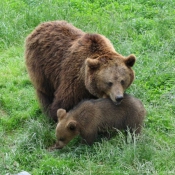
x,y
91,117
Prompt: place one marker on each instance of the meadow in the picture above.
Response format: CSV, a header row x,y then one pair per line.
x,y
144,28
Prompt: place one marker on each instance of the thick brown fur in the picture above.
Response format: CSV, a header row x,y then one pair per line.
x,y
67,65
90,117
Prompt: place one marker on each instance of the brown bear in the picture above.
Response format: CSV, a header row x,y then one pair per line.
x,y
90,117
67,65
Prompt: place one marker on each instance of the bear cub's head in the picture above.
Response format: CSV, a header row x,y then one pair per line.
x,y
66,130
109,76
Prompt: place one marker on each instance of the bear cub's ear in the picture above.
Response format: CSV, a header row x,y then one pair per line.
x,y
130,60
61,113
72,125
92,63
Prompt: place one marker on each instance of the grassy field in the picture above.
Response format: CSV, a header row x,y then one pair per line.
x,y
145,28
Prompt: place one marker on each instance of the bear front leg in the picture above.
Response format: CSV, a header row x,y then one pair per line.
x,y
89,138
53,110
44,100
66,103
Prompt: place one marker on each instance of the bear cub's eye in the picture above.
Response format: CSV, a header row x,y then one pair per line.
x,y
122,82
62,139
110,84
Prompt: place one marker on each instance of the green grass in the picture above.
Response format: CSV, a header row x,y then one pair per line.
x,y
145,28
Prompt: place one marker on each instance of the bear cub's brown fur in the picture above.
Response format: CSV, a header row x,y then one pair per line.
x,y
67,65
90,117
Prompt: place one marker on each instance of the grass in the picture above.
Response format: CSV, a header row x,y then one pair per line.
x,y
145,28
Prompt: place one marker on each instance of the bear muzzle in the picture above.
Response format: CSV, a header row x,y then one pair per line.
x,y
59,145
118,99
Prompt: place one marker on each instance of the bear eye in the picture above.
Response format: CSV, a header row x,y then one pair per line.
x,y
122,82
62,139
110,84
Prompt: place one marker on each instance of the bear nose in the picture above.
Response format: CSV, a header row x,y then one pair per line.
x,y
119,98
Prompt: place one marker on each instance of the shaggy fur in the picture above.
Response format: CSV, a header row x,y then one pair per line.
x,y
67,65
90,117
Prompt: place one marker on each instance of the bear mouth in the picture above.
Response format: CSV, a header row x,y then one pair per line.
x,y
117,103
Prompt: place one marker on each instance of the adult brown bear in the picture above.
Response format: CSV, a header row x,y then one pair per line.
x,y
67,65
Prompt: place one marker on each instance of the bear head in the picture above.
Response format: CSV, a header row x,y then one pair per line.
x,y
107,73
109,76
66,130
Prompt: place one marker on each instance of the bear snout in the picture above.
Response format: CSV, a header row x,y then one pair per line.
x,y
59,145
118,99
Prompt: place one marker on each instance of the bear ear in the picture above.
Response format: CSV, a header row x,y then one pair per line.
x,y
92,63
61,113
130,60
72,125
